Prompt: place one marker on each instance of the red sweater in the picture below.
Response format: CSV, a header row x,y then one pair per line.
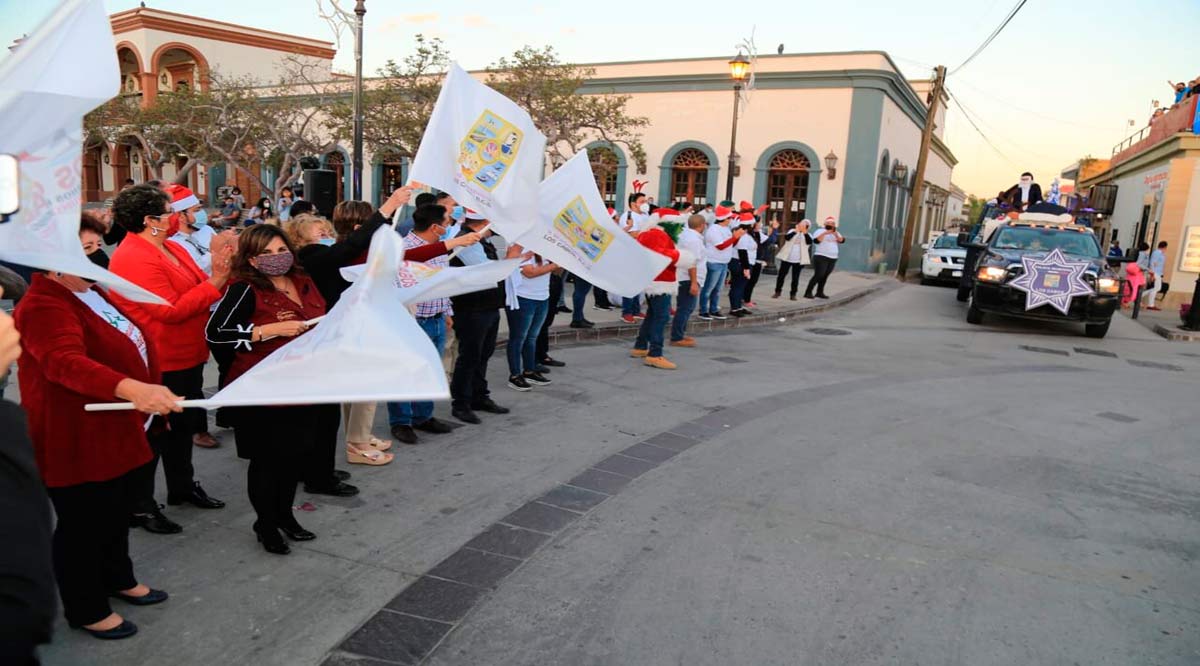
x,y
176,329
70,357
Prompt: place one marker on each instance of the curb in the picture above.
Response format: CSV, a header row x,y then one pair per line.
x,y
1177,334
566,336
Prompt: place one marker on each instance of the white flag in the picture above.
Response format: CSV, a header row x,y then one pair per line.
x,y
367,349
485,151
575,232
66,68
417,282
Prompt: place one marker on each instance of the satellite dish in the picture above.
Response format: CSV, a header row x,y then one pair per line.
x,y
780,49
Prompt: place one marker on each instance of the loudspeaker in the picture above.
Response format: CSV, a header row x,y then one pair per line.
x,y
319,188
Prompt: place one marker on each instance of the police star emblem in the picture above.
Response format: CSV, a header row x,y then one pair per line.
x,y
1052,280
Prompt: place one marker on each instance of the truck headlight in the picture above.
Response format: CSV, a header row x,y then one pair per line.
x,y
992,274
1107,285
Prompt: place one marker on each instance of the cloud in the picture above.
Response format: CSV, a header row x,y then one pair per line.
x,y
395,23
475,21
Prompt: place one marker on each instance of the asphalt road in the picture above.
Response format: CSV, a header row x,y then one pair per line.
x,y
908,490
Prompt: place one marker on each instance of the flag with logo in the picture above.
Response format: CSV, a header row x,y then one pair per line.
x,y
485,151
574,230
66,68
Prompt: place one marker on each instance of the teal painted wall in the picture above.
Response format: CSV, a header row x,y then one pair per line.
x,y
859,169
216,179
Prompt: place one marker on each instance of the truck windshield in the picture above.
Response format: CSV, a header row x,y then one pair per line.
x,y
1077,243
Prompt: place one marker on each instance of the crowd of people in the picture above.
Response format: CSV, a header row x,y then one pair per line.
x,y
1182,92
239,293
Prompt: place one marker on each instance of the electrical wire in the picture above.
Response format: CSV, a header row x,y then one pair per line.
x,y
1014,144
967,115
1008,106
995,33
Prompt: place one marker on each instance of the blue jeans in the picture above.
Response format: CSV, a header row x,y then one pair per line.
x,y
650,335
737,284
631,306
523,328
683,309
414,413
710,295
579,298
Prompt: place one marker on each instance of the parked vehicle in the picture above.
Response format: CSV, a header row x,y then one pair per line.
x,y
943,260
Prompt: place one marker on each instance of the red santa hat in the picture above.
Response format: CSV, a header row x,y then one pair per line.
x,y
723,213
745,219
831,220
663,215
181,197
473,215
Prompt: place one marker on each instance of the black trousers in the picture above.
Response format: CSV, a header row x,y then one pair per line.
x,y
737,284
601,297
755,271
476,333
91,545
324,422
173,445
784,267
224,358
543,339
822,268
278,441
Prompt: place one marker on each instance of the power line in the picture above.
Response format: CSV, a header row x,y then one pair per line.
x,y
981,134
995,33
1008,106
1006,140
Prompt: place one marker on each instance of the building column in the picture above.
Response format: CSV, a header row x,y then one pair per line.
x,y
149,88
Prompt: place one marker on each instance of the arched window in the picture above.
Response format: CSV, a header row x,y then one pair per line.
x,y
787,186
604,167
689,177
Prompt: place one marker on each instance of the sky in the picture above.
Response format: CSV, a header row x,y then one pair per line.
x,y
1061,82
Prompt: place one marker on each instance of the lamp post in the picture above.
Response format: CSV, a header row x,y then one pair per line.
x,y
831,161
739,68
356,183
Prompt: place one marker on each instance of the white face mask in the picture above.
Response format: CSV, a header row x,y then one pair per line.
x,y
644,208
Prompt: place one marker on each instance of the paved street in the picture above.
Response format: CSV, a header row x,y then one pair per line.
x,y
882,484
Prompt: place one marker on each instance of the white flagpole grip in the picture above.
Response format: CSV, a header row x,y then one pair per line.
x,y
460,248
128,406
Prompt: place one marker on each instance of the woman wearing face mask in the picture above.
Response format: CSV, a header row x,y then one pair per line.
x,y
176,329
260,213
91,235
265,307
824,257
81,347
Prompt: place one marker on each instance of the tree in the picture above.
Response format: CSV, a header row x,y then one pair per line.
x,y
155,130
397,106
548,89
974,208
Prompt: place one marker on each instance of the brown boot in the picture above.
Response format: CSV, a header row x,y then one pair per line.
x,y
659,362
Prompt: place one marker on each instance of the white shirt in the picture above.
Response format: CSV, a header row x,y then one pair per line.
x,y
534,288
828,245
1158,262
638,220
692,241
799,251
714,236
197,244
747,243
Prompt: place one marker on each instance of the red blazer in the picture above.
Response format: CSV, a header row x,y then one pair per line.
x,y
176,329
70,357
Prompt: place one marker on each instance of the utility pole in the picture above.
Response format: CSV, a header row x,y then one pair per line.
x,y
914,207
356,181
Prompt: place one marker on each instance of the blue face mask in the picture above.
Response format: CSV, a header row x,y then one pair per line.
x,y
458,212
326,241
201,218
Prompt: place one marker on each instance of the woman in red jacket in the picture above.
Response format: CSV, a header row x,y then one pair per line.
x,y
264,308
177,330
80,347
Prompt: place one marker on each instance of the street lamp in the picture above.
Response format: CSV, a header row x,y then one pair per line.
x,y
831,161
739,68
356,183
899,172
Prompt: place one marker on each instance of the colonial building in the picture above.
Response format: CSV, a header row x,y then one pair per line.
x,y
1149,191
822,133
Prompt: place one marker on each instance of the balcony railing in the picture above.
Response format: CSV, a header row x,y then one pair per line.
x,y
1181,118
